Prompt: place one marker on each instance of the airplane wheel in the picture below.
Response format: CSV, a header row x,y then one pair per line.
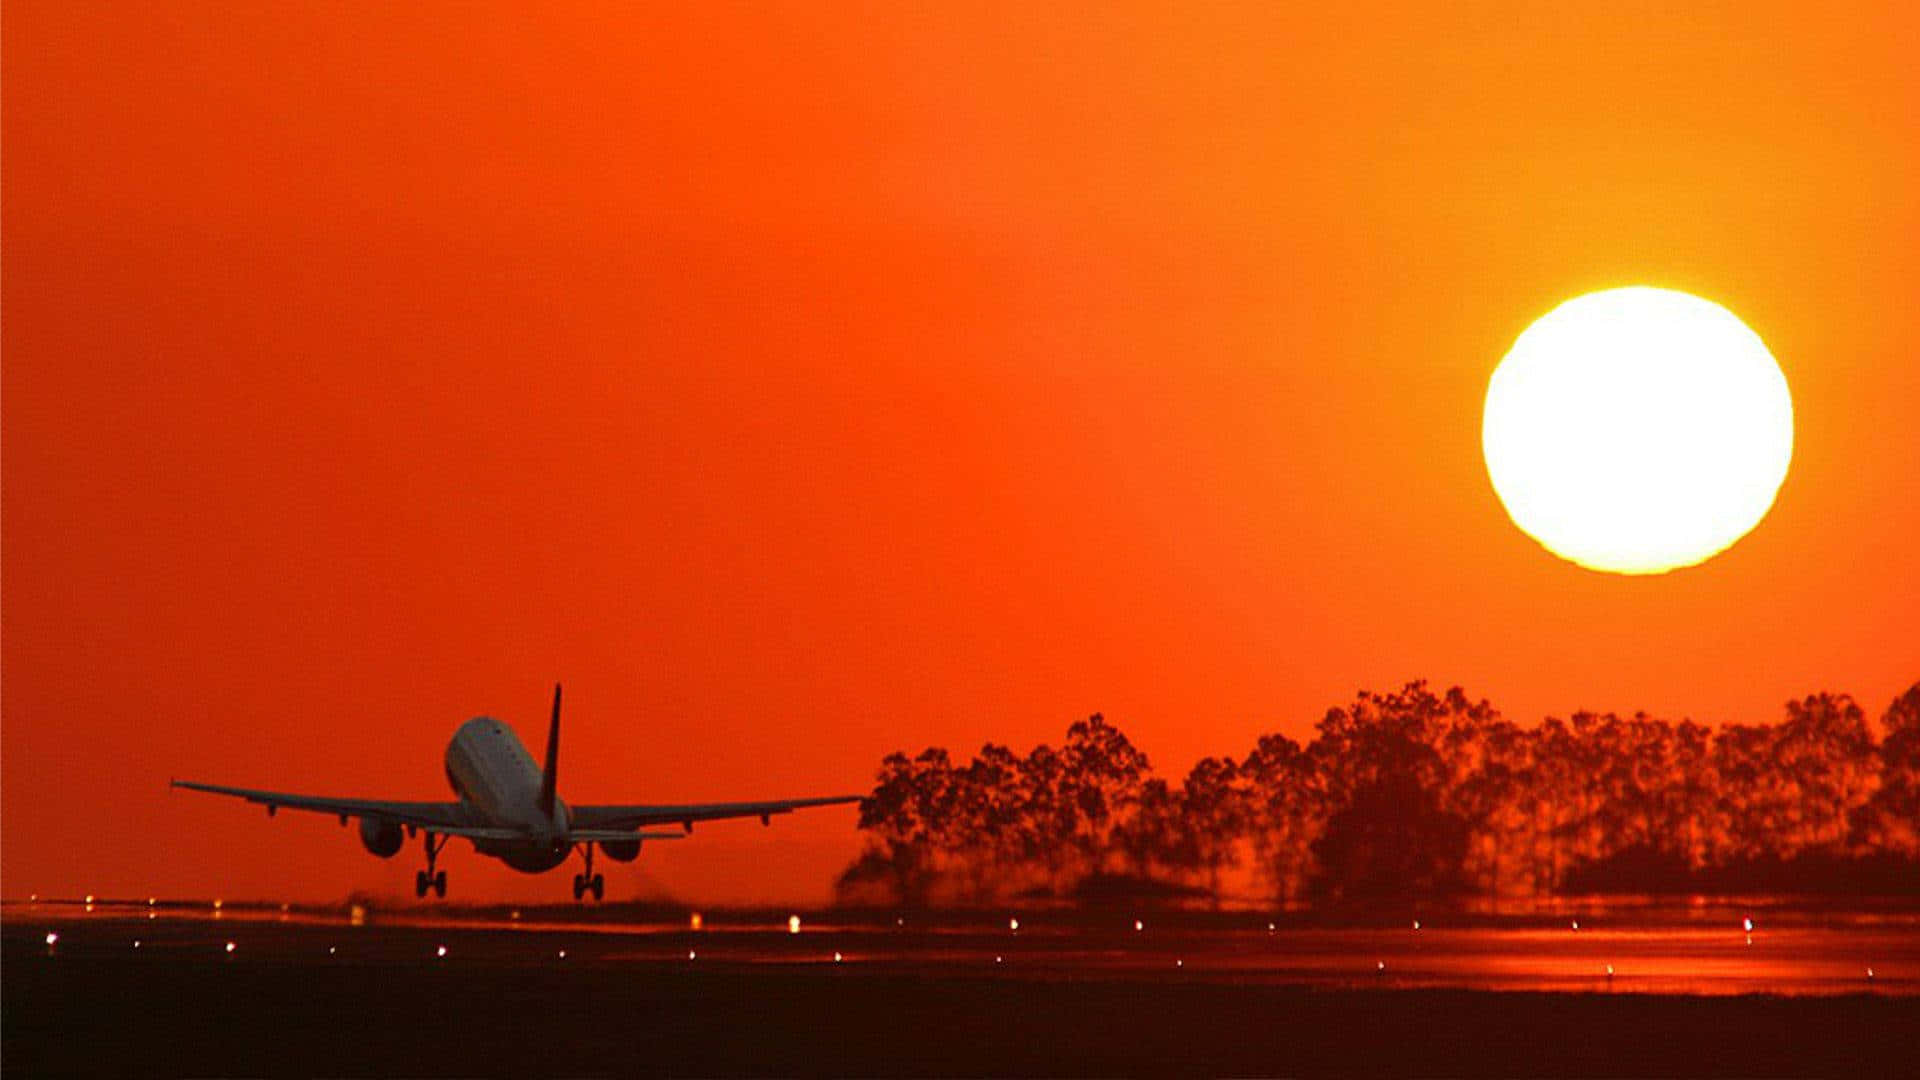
x,y
579,887
440,884
419,883
599,887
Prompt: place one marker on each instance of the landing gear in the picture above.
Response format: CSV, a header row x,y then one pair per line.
x,y
589,882
424,880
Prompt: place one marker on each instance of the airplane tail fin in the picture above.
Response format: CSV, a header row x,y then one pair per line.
x,y
550,777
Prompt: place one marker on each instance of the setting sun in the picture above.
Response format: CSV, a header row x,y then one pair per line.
x,y
1637,430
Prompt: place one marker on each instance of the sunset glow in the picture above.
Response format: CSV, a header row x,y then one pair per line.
x,y
1412,476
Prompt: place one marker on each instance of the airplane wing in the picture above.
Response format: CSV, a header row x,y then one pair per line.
x,y
440,817
633,817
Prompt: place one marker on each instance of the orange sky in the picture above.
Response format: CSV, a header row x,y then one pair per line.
x,y
802,386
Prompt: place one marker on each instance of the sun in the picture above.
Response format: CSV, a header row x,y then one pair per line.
x,y
1637,430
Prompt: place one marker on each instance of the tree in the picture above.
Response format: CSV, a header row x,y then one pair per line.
x,y
1415,792
1286,808
1489,803
1102,777
1891,823
1154,836
1049,815
910,817
1391,839
1826,749
987,802
1213,806
1396,734
1549,799
1752,803
1690,798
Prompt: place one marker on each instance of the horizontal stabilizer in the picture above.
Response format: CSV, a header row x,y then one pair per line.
x,y
615,836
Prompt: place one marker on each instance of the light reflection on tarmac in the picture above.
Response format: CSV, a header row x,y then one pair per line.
x,y
1813,959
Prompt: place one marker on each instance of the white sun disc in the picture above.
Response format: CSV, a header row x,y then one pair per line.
x,y
1637,430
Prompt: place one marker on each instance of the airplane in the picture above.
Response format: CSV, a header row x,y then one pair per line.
x,y
509,808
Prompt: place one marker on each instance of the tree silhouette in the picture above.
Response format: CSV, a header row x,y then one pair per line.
x,y
1415,793
1049,819
1213,809
1152,838
1392,838
988,799
1101,778
1286,809
1892,819
1827,750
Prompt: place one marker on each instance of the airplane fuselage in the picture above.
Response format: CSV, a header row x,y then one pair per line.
x,y
498,783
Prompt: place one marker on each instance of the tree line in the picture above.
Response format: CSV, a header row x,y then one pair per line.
x,y
1414,793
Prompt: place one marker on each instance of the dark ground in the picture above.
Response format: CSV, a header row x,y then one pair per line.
x,y
280,1005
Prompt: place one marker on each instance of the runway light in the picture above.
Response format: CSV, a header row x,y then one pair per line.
x,y
357,915
1179,963
793,924
514,915
1576,924
694,921
332,949
229,946
563,954
52,938
837,957
1749,939
900,922
1416,924
89,899
1269,928
691,955
1380,965
1747,925
1013,925
441,951
1869,974
1609,971
1138,926
136,943
999,959
150,901
216,905
152,915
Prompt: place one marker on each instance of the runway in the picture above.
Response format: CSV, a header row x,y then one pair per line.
x,y
1718,955
182,988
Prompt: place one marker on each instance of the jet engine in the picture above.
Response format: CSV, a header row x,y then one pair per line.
x,y
621,850
381,837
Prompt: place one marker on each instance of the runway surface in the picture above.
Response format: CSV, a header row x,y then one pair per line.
x,y
180,988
